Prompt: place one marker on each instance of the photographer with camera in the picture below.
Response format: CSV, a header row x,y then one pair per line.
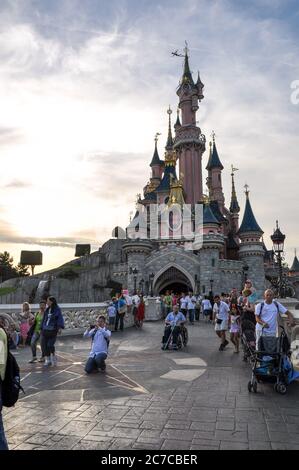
x,y
99,348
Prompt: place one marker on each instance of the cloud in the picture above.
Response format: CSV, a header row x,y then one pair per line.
x,y
84,90
17,184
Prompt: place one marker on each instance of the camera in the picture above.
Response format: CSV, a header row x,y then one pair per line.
x,y
91,326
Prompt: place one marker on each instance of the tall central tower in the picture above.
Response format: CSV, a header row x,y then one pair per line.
x,y
189,141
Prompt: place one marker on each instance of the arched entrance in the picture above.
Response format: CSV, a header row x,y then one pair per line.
x,y
172,279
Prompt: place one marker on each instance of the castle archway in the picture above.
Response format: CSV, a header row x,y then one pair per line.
x,y
173,278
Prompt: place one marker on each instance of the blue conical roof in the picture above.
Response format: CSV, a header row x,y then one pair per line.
x,y
208,216
169,174
156,159
214,160
249,224
295,265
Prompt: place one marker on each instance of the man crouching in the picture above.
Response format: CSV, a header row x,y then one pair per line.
x,y
99,347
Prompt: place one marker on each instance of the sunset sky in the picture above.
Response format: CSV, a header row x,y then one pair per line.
x,y
85,85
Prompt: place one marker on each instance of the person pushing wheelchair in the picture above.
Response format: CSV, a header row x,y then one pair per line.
x,y
173,322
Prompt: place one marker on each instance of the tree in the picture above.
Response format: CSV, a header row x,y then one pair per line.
x,y
22,270
8,270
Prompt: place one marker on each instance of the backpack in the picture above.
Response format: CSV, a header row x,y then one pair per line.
x,y
11,385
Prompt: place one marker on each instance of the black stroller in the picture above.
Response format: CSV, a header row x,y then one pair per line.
x,y
248,340
272,363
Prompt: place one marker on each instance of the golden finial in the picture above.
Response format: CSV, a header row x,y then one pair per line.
x,y
213,135
169,110
186,50
156,136
246,189
233,170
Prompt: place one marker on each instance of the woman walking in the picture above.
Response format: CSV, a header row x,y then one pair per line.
x,y
51,325
36,332
25,318
140,313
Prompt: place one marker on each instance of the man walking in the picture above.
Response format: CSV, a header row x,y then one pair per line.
x,y
220,317
266,314
99,348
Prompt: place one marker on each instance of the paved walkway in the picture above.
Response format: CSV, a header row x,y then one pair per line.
x,y
150,399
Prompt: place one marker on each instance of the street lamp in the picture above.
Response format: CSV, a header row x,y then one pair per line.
x,y
278,239
151,278
141,283
245,270
135,272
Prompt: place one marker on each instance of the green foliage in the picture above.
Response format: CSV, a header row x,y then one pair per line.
x,y
69,274
8,270
7,290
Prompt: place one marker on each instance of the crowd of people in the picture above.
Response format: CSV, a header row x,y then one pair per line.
x,y
228,312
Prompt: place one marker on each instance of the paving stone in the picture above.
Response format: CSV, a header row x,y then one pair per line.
x,y
171,444
78,428
225,425
227,445
259,445
199,426
233,436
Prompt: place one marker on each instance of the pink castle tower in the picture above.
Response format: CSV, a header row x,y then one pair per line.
x,y
189,142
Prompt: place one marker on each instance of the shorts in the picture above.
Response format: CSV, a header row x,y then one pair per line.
x,y
223,326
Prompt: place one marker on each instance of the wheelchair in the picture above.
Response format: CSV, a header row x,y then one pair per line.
x,y
182,339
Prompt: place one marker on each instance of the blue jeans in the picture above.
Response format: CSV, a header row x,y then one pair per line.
x,y
96,362
3,441
191,315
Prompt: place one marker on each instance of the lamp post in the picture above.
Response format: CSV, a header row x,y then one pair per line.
x,y
135,272
244,271
278,239
141,283
151,278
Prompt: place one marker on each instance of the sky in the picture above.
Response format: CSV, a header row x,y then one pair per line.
x,y
85,85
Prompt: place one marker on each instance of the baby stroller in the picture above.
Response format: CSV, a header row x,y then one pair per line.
x,y
182,339
272,363
248,340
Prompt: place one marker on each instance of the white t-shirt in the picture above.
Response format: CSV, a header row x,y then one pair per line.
x,y
190,302
206,304
128,299
222,310
269,315
183,302
136,300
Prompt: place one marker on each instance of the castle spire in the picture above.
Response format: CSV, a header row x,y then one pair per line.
x,y
249,223
234,206
169,143
295,265
178,122
187,75
156,159
214,160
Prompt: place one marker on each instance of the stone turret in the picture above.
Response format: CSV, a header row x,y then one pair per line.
x,y
136,252
189,142
215,168
251,248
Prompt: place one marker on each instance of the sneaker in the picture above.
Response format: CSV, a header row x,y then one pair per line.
x,y
53,360
41,359
33,360
225,343
47,362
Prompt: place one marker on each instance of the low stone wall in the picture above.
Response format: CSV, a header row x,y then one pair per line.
x,y
77,317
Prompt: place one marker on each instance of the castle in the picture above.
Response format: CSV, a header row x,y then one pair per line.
x,y
222,256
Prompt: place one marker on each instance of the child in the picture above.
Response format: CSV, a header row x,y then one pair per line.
x,y
111,311
234,326
26,319
140,313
